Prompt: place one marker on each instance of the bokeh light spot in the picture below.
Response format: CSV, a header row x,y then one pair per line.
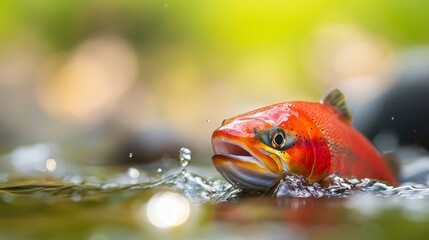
x,y
84,86
167,209
51,165
133,172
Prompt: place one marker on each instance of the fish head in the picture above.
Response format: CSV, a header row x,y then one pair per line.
x,y
253,150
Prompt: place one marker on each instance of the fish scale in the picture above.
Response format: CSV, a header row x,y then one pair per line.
x,y
351,153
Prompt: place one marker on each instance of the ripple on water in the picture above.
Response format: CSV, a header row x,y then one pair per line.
x,y
214,190
207,190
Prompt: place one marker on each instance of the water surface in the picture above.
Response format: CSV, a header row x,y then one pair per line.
x,y
183,202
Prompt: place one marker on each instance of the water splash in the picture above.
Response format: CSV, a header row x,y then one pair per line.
x,y
194,187
204,189
184,156
298,186
213,190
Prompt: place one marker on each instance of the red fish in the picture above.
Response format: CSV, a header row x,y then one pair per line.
x,y
313,139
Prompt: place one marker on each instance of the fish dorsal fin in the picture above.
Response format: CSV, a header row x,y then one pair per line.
x,y
336,99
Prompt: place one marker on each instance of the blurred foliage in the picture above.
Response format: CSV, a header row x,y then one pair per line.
x,y
247,23
206,27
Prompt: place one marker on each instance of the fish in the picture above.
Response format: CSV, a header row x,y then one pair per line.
x,y
254,150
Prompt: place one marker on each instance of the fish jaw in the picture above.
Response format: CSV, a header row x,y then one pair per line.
x,y
241,165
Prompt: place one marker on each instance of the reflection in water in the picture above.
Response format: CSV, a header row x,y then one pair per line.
x,y
311,211
167,209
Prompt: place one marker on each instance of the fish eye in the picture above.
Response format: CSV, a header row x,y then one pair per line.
x,y
278,140
275,137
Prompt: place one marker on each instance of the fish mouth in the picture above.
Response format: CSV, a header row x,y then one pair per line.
x,y
241,166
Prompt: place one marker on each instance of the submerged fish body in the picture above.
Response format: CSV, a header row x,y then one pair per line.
x,y
313,139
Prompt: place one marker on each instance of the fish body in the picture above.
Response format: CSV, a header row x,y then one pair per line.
x,y
312,139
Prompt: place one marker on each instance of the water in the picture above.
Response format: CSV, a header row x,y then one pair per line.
x,y
133,172
184,156
214,190
182,202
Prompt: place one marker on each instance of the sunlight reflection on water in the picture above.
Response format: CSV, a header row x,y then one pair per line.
x,y
167,209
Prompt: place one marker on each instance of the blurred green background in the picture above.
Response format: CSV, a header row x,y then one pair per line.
x,y
87,74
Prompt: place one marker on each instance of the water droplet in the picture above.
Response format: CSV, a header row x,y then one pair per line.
x,y
208,120
184,156
159,170
131,155
393,118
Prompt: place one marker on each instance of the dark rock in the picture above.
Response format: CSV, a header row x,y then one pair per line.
x,y
400,116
